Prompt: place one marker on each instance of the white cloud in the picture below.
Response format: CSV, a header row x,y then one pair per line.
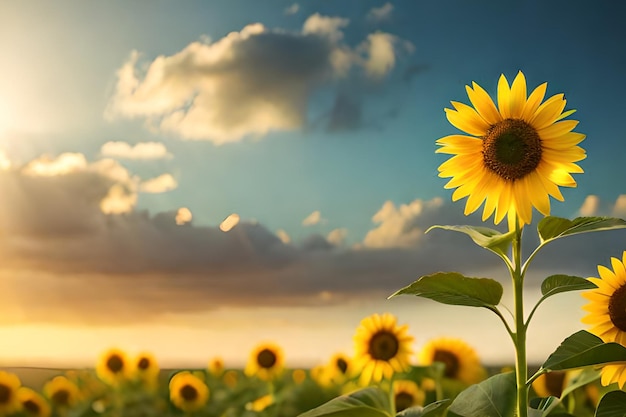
x,y
283,236
47,166
183,216
142,150
381,54
312,219
398,226
325,26
293,9
118,200
229,222
337,236
382,13
590,206
619,208
160,184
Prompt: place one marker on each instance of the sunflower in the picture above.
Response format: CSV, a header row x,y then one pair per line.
x,y
261,403
62,392
146,369
266,361
381,348
517,155
407,394
607,313
113,366
33,404
216,367
550,384
9,386
188,392
460,359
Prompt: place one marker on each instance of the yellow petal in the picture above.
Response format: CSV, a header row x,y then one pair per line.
x,y
504,95
468,118
557,129
536,192
504,202
533,102
563,142
548,112
523,206
518,96
483,104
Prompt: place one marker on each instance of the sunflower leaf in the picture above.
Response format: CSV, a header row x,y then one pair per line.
x,y
587,376
493,240
555,284
494,396
455,289
434,409
551,228
584,349
367,402
613,404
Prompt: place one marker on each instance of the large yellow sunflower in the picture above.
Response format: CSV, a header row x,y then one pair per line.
x,y
607,313
188,392
517,155
460,359
9,385
381,348
113,366
407,394
33,404
266,361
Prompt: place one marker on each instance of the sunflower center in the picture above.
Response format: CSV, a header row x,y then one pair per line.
x,y
189,393
617,308
144,363
115,364
450,360
32,407
383,345
61,397
511,149
342,365
266,358
403,401
5,394
554,383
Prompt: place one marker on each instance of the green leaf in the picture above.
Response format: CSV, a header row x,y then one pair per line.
x,y
613,404
550,228
434,409
455,289
493,240
367,402
585,377
555,284
583,349
493,397
541,407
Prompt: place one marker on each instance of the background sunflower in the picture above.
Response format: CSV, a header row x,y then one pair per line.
x,y
188,392
460,359
266,361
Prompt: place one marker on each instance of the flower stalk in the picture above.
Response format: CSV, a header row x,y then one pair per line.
x,y
521,365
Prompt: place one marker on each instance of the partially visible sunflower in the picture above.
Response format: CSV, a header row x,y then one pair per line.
x,y
188,392
516,155
62,392
298,376
381,348
261,403
113,366
216,366
146,369
550,384
607,313
9,386
336,371
33,404
460,359
407,394
266,361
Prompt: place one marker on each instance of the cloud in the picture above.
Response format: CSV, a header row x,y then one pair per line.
x,y
337,237
183,216
293,9
283,236
400,226
345,114
382,13
142,150
313,219
160,184
229,222
594,206
590,206
619,208
248,83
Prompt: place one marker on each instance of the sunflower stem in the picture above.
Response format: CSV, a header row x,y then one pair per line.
x,y
521,366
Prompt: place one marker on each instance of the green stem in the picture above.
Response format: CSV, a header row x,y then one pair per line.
x,y
521,366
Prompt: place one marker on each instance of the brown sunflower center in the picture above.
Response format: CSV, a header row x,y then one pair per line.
x,y
61,397
5,394
31,407
342,365
617,308
266,358
115,364
383,345
450,360
189,393
403,400
511,149
143,364
554,383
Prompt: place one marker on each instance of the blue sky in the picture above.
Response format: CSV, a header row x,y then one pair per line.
x,y
315,122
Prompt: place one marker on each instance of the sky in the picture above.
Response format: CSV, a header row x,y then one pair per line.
x,y
193,178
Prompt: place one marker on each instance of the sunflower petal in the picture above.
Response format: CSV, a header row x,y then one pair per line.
x,y
483,104
518,95
533,102
504,96
548,112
